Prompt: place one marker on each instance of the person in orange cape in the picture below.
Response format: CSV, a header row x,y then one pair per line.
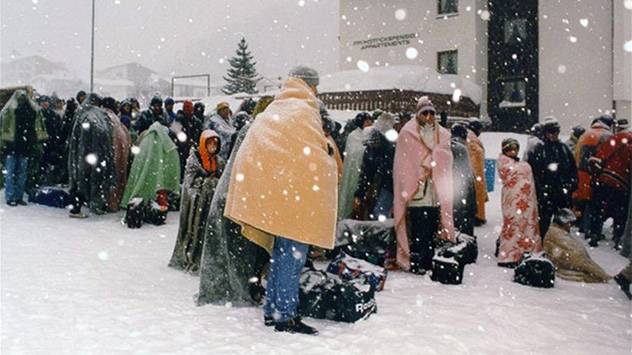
x,y
203,169
477,153
283,190
422,188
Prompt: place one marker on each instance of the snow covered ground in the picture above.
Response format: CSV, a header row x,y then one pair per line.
x,y
94,286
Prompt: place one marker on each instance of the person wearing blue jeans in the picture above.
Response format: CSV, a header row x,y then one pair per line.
x,y
22,131
16,179
283,192
281,302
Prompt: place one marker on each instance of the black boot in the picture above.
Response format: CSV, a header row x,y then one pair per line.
x,y
624,284
295,325
417,264
268,321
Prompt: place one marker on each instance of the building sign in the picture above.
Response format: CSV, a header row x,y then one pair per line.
x,y
383,42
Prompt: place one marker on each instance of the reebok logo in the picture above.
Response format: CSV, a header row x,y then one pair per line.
x,y
363,307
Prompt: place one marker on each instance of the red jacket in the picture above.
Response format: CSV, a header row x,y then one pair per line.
x,y
586,149
615,155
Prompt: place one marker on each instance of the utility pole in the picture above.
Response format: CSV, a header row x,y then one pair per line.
x,y
92,53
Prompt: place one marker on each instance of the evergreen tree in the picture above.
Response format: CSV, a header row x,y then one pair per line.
x,y
242,75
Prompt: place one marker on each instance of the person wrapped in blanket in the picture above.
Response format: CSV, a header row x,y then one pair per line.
x,y
204,167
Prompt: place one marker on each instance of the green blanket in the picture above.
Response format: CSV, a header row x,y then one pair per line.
x,y
156,166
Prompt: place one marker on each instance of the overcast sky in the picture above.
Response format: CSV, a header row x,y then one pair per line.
x,y
173,37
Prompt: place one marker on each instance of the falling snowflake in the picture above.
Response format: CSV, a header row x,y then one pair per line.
x,y
307,151
91,159
456,95
363,66
103,255
297,255
239,177
485,15
135,149
411,53
561,69
584,22
182,137
391,135
573,39
400,14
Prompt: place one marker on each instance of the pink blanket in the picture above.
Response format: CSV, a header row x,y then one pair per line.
x,y
414,161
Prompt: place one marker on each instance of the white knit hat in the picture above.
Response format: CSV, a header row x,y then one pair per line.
x,y
424,104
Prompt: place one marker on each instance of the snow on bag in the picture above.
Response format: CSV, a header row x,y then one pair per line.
x,y
350,268
535,269
323,295
465,251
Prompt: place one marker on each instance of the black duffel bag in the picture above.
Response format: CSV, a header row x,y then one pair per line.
x,y
52,196
324,295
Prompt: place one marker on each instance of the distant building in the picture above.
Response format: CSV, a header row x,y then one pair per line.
x,y
266,85
131,80
44,75
532,58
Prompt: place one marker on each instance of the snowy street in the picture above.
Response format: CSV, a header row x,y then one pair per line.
x,y
94,286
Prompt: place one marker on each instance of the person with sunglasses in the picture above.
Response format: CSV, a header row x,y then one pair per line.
x,y
423,190
554,171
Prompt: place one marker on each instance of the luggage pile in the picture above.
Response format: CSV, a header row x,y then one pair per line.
x,y
139,212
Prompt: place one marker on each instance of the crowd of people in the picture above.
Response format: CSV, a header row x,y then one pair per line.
x,y
268,184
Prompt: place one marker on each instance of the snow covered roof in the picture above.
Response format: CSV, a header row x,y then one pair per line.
x,y
112,82
404,77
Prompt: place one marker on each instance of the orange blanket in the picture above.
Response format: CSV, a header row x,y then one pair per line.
x,y
284,182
